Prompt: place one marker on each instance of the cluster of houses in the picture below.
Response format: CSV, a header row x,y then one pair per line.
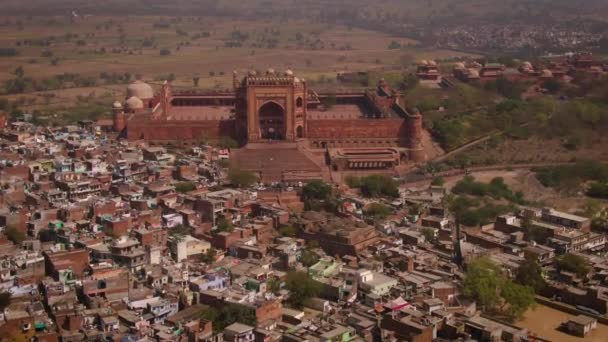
x,y
116,241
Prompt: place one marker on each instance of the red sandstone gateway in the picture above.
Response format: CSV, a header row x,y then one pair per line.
x,y
278,107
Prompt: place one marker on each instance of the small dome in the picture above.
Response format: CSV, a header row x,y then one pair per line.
x,y
140,90
432,63
296,80
459,65
424,62
117,105
134,103
270,71
526,65
289,72
253,73
547,73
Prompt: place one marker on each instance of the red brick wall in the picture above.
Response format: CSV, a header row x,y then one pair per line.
x,y
356,129
79,259
179,130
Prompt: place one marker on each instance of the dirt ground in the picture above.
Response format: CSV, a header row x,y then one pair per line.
x,y
538,149
311,50
543,322
525,181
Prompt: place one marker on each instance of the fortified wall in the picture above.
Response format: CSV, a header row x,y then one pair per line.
x,y
273,106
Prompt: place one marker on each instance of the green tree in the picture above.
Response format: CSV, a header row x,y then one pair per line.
x,y
224,225
429,234
180,231
353,182
14,235
438,181
209,257
529,274
273,285
309,258
241,178
288,230
227,142
316,190
573,263
379,186
377,211
301,287
518,299
482,280
183,187
228,314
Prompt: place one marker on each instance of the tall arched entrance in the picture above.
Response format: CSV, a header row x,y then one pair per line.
x,y
272,121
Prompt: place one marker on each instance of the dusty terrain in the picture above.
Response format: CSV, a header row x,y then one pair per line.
x,y
198,47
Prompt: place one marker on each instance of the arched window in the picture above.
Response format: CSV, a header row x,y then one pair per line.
x,y
299,102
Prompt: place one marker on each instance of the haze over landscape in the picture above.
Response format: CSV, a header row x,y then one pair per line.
x,y
303,170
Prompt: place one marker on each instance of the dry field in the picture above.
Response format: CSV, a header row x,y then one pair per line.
x,y
546,327
133,44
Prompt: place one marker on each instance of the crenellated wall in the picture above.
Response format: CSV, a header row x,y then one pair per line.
x,y
185,131
358,132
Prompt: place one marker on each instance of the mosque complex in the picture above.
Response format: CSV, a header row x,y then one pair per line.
x,y
286,130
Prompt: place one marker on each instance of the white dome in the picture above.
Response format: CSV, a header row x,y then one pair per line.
x,y
270,71
432,63
424,62
134,103
117,105
253,73
140,90
526,65
547,73
459,65
289,72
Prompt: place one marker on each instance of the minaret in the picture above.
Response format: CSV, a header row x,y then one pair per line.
x,y
414,138
118,117
165,98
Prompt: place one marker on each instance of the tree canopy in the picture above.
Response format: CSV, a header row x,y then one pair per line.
x,y
378,211
183,187
375,186
241,178
301,287
14,235
316,190
228,314
529,274
485,282
482,280
573,263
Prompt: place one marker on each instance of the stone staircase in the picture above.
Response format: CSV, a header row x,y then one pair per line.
x,y
277,161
